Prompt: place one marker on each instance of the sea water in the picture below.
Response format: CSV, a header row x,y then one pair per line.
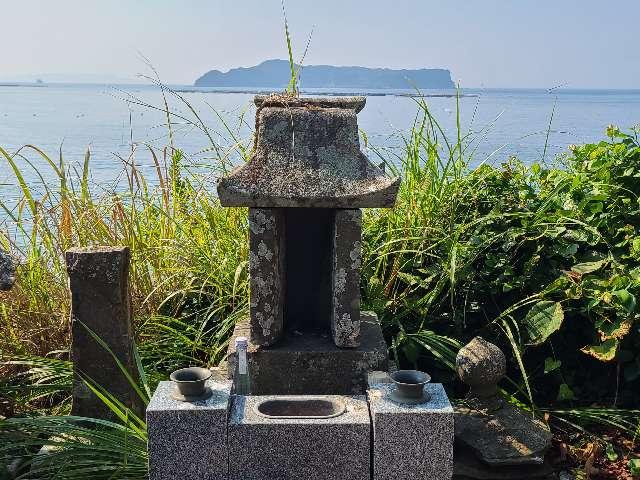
x,y
534,125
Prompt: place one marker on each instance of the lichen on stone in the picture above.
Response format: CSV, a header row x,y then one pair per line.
x,y
264,252
259,222
356,255
340,281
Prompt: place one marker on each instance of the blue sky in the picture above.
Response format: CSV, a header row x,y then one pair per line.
x,y
490,43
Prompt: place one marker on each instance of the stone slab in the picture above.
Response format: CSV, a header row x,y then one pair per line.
x,y
188,440
503,436
466,466
336,448
347,258
411,441
266,274
312,364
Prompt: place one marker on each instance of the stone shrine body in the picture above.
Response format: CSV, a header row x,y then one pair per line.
x,y
305,185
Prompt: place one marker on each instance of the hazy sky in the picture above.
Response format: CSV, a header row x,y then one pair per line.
x,y
491,43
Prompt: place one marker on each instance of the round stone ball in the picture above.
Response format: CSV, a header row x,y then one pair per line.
x,y
481,365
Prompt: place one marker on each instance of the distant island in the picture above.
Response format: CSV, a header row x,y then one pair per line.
x,y
276,73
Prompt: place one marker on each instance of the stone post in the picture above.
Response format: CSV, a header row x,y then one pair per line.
x,y
345,308
266,274
98,280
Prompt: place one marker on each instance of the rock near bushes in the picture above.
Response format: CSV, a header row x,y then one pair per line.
x,y
7,272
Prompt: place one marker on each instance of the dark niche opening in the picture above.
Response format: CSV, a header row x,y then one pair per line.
x,y
308,262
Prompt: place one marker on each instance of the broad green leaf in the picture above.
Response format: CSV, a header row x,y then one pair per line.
x,y
618,328
588,267
605,352
551,364
543,319
627,300
565,393
634,467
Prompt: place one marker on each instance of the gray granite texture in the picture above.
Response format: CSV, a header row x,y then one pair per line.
x,y
411,441
311,364
336,448
347,258
188,440
266,274
7,272
307,154
98,280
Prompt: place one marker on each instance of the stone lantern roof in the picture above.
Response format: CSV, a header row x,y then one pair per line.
x,y
307,154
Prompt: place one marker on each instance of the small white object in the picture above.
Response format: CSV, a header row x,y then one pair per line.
x,y
241,347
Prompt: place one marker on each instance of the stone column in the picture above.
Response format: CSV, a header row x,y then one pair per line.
x,y
266,273
98,280
347,252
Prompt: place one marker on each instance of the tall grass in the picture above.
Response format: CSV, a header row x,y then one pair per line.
x,y
453,259
74,448
188,254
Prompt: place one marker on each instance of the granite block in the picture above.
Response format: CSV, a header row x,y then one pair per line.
x,y
411,441
336,448
345,302
311,364
188,440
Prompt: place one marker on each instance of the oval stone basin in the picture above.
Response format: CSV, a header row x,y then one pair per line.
x,y
305,407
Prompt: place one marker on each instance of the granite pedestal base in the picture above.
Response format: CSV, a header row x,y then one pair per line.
x,y
264,448
311,364
188,440
411,441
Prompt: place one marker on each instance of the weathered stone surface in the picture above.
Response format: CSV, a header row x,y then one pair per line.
x,y
266,274
498,433
502,437
411,441
312,364
307,154
352,103
334,448
188,440
347,254
467,467
481,365
98,280
7,272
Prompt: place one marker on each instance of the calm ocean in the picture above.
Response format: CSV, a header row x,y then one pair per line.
x,y
76,117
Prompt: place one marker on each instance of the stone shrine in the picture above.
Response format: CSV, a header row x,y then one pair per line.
x,y
304,186
308,395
